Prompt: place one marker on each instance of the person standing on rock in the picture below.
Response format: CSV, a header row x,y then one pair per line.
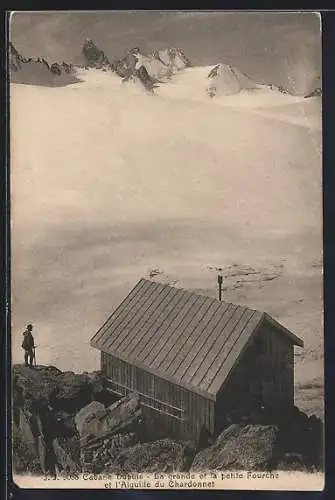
x,y
28,344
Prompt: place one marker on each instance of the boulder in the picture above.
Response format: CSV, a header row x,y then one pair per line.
x,y
89,413
32,384
31,447
45,401
25,459
25,446
165,455
98,386
95,422
73,391
249,447
65,424
99,458
63,391
27,431
67,454
302,435
292,461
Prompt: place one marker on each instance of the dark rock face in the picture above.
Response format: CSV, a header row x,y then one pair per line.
x,y
45,401
66,451
225,79
172,57
145,78
95,422
165,455
315,93
104,432
56,69
66,423
64,391
15,59
94,57
68,68
162,63
151,68
301,436
101,456
38,71
250,447
292,461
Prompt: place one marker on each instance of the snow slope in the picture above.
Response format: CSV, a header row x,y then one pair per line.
x,y
108,183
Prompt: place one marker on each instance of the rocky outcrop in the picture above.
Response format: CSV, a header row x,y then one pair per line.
x,y
172,58
104,432
165,455
63,391
15,59
94,57
151,69
95,422
66,423
148,70
277,88
160,65
102,455
56,69
300,440
67,455
317,92
38,71
67,68
45,402
132,69
250,447
226,80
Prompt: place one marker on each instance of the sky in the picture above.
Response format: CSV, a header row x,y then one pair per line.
x,y
279,48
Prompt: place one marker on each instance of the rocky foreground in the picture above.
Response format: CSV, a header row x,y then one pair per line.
x,y
66,423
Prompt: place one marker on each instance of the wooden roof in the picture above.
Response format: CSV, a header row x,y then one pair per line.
x,y
189,339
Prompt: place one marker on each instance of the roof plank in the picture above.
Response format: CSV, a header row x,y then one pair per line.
x,y
150,339
177,353
238,347
204,367
131,315
141,327
172,334
199,350
169,322
197,341
189,339
223,349
111,319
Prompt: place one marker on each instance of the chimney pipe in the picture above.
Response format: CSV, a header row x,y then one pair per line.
x,y
220,279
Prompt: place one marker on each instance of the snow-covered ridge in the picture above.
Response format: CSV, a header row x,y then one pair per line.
x,y
191,85
156,70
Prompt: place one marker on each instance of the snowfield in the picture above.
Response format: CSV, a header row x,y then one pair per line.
x,y
109,183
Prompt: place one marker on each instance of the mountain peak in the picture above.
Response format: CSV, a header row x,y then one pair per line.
x,y
150,69
228,80
37,71
94,57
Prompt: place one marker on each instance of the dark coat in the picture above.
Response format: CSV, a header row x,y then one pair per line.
x,y
28,341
